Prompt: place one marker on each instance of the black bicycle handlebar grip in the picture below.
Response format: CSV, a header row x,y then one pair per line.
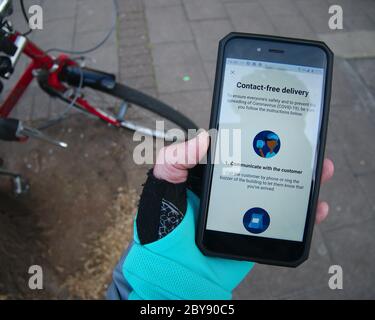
x,y
8,129
7,46
5,66
91,78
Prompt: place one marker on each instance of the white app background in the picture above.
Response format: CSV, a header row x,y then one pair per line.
x,y
287,207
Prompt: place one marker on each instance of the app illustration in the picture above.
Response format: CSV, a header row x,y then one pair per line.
x,y
266,144
256,220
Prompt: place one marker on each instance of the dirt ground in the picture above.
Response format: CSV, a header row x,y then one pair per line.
x,y
77,218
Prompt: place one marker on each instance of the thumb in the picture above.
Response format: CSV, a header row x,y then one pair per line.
x,y
173,161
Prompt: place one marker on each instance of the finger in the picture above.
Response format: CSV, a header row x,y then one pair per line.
x,y
328,170
321,212
192,151
173,162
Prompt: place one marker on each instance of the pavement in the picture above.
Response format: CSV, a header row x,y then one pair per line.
x,y
160,44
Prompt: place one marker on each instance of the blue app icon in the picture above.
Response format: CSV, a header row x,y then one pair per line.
x,y
256,220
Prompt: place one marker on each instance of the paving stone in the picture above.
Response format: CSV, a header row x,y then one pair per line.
x,y
136,71
354,44
160,20
132,51
194,104
343,192
356,23
249,17
133,41
62,31
172,79
367,183
132,24
292,26
316,14
350,7
366,70
41,104
348,89
210,69
175,61
161,3
211,29
207,35
57,108
281,7
59,9
94,15
238,10
279,282
131,6
25,104
353,249
175,54
324,293
367,6
87,40
134,32
204,9
138,60
130,17
254,286
352,128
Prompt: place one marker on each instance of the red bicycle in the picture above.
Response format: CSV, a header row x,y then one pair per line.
x,y
94,92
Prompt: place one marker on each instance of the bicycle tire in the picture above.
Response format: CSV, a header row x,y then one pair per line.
x,y
143,100
134,97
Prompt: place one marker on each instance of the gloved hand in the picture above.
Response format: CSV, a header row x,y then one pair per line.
x,y
163,262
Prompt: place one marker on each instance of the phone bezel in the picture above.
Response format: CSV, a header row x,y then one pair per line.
x,y
247,247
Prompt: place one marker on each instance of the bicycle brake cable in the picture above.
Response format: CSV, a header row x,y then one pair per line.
x,y
63,114
26,18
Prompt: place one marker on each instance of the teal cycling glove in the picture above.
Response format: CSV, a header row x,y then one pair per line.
x,y
163,261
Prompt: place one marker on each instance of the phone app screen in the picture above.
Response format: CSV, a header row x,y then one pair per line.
x,y
265,152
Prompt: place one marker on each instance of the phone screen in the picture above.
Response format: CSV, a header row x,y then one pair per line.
x,y
264,156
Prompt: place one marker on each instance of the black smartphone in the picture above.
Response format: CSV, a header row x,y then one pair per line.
x,y
261,182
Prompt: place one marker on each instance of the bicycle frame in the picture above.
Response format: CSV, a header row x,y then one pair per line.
x,y
41,60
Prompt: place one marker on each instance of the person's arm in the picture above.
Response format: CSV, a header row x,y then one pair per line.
x,y
163,261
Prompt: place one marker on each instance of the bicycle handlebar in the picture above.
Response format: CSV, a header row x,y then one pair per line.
x,y
14,130
7,46
6,8
8,129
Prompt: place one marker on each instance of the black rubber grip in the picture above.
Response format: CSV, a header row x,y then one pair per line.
x,y
8,129
7,46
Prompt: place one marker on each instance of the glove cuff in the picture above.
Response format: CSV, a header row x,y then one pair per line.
x,y
161,208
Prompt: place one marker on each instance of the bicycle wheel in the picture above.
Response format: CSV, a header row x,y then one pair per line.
x,y
137,111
